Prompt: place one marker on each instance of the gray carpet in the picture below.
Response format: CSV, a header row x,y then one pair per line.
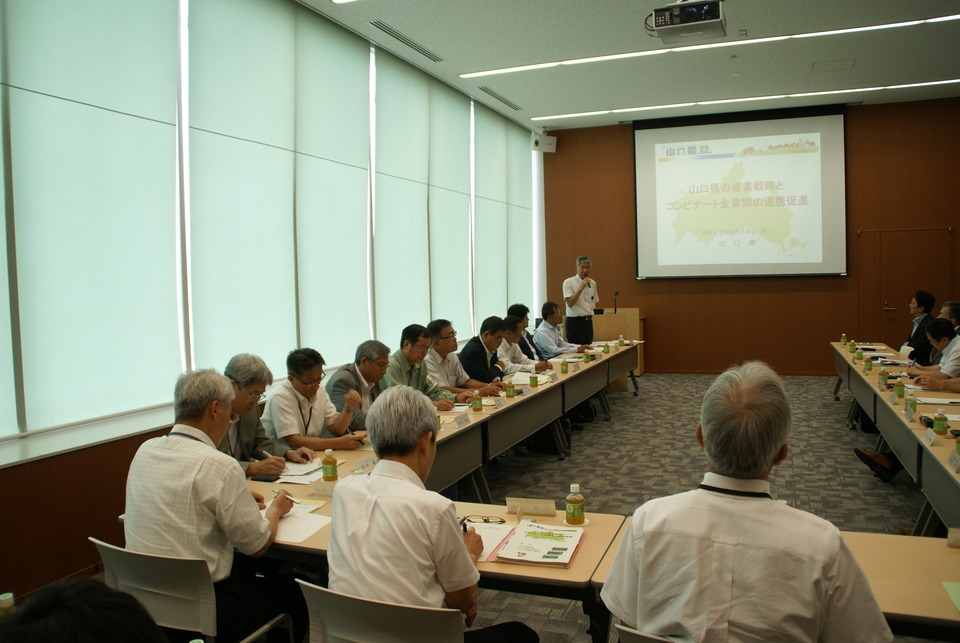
x,y
648,450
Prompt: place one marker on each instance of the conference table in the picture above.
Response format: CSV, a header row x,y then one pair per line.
x,y
932,461
573,582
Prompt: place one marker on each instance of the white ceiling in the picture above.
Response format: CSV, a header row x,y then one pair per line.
x,y
479,35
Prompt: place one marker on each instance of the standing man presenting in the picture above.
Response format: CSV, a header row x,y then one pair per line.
x,y
580,294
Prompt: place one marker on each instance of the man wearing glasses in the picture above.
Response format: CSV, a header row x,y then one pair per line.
x,y
406,367
299,412
246,441
446,369
364,376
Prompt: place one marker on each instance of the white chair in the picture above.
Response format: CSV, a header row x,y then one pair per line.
x,y
177,592
628,635
336,618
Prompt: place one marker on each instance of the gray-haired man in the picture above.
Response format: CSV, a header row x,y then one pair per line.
x,y
726,561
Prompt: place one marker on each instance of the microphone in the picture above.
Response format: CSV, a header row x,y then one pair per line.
x,y
615,293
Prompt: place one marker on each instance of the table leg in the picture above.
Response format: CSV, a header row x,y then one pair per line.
x,y
605,405
599,616
836,389
636,389
480,486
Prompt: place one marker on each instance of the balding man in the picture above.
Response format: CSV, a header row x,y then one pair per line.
x,y
725,561
186,499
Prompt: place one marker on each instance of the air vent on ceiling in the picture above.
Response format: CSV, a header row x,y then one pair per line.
x,y
409,42
506,101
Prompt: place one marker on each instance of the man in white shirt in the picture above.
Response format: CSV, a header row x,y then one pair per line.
x,y
186,499
726,562
299,412
547,338
580,295
510,354
445,368
394,541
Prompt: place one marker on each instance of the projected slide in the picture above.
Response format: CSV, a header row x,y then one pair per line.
x,y
743,198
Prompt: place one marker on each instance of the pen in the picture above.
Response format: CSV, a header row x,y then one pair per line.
x,y
463,524
292,499
268,455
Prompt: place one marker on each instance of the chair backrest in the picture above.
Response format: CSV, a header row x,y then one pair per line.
x,y
177,592
336,618
628,635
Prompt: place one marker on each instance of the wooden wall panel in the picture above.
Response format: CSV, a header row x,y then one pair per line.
x,y
54,504
901,159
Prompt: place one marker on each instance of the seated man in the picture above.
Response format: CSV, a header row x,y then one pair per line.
x,y
186,499
406,367
479,355
446,370
510,353
726,562
526,344
547,338
364,376
246,440
917,344
884,463
943,338
394,541
299,413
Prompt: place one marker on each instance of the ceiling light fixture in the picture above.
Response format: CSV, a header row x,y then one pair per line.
x,y
733,43
747,99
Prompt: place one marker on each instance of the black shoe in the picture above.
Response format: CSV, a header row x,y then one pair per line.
x,y
878,463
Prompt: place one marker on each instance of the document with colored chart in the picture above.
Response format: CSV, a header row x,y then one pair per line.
x,y
533,543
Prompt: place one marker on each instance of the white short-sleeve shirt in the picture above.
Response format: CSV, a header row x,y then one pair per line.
x,y
445,371
394,541
588,298
711,566
289,413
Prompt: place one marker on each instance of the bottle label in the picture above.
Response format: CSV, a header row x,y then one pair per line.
x,y
477,405
329,471
574,513
511,391
564,367
940,426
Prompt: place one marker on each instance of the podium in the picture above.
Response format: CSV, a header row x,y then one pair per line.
x,y
609,325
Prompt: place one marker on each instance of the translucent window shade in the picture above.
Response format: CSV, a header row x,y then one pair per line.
x,y
8,405
401,241
242,251
242,69
490,215
242,105
332,251
332,92
333,150
93,157
112,53
520,259
449,204
94,193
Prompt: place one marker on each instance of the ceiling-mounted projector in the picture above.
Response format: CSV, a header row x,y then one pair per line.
x,y
685,22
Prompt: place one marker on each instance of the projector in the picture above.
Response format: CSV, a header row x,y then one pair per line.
x,y
686,22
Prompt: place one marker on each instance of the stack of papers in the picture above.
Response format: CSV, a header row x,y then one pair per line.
x,y
535,544
299,523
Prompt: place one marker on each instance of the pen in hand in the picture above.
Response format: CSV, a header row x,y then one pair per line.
x,y
276,492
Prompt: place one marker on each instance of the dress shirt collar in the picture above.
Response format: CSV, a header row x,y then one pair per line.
x,y
434,355
361,380
735,484
548,326
397,470
194,433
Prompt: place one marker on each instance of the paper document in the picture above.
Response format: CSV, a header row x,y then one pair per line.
x,y
308,477
299,524
923,399
535,544
952,418
492,535
301,468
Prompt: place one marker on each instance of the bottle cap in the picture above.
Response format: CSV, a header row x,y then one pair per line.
x,y
6,600
329,452
574,488
939,411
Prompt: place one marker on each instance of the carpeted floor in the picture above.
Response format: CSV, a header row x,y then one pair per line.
x,y
648,450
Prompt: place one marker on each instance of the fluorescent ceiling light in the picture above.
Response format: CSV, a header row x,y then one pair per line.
x,y
732,43
747,99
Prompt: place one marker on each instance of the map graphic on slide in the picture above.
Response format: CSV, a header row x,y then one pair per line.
x,y
751,200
